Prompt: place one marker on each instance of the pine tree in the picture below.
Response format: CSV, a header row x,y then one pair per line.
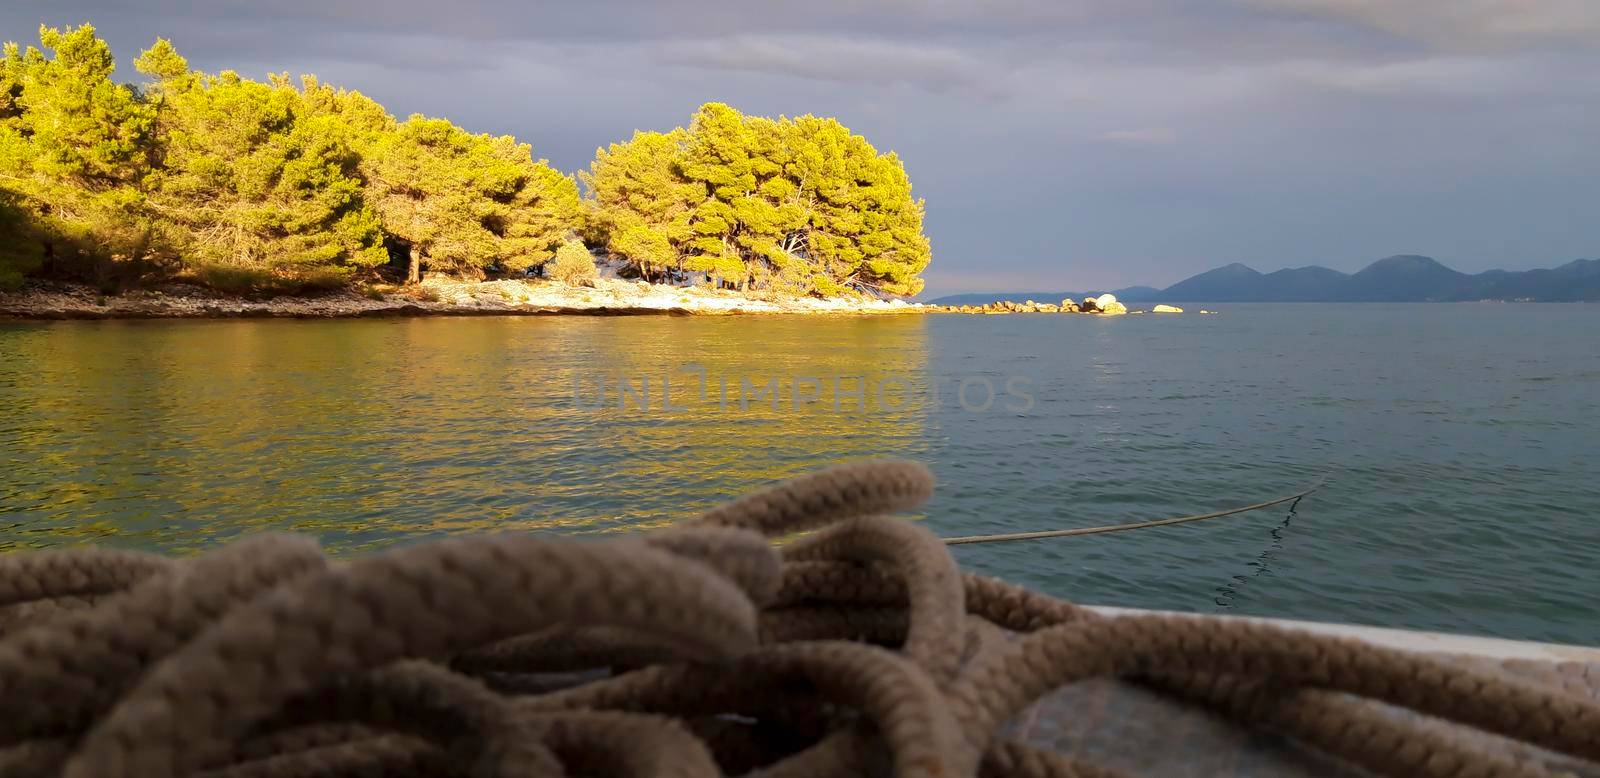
x,y
466,203
772,217
717,156
863,227
254,178
800,205
641,205
75,152
895,249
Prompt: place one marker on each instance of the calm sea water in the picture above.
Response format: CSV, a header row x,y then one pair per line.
x,y
1460,442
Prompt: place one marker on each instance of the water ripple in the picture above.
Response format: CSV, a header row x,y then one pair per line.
x,y
1455,440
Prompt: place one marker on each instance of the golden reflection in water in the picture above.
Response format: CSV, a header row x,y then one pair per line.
x,y
182,435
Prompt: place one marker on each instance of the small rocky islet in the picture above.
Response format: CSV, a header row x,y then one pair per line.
x,y
1104,305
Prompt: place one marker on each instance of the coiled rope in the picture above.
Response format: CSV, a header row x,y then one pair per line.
x,y
696,651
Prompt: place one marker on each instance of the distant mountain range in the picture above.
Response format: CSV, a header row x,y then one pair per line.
x,y
1404,278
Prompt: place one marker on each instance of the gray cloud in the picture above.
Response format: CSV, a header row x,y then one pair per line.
x,y
1059,143
1144,136
841,60
1464,24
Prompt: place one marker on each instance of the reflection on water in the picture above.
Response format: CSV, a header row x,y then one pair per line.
x,y
1260,566
176,436
1460,440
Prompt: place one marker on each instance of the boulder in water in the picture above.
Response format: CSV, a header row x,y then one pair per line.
x,y
1166,309
1107,303
1089,305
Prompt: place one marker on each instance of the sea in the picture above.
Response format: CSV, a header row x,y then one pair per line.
x,y
1457,446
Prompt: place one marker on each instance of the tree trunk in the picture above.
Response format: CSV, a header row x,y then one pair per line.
x,y
414,270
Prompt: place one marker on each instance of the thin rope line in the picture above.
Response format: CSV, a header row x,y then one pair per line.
x,y
1062,533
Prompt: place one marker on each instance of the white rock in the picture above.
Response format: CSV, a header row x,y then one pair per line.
x,y
1107,303
1166,309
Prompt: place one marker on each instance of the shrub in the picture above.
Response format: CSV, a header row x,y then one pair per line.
x,y
10,280
18,255
573,264
232,279
320,279
266,282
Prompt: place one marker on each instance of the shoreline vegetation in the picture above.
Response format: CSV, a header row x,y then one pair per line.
x,y
439,296
297,188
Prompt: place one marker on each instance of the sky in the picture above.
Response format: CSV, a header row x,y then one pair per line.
x,y
1060,144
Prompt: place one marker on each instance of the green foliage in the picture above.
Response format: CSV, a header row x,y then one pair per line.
x,y
269,187
798,205
642,206
466,203
251,186
573,264
20,248
77,150
272,282
254,176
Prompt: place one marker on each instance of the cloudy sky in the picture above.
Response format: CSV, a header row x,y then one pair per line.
x,y
1060,144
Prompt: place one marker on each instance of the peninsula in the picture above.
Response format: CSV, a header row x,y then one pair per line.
x,y
206,185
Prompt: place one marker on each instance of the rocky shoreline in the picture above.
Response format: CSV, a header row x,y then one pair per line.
x,y
433,297
444,297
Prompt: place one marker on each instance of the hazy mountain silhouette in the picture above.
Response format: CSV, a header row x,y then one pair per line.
x,y
1577,280
1407,278
1400,278
1229,281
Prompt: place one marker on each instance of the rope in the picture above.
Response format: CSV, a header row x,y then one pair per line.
x,y
1064,533
694,652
